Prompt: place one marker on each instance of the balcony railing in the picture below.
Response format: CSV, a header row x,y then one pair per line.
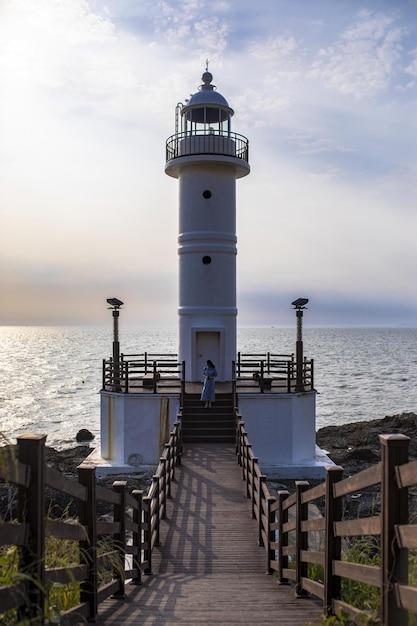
x,y
138,372
250,373
207,142
269,373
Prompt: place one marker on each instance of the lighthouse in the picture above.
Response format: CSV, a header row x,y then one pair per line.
x,y
207,158
143,395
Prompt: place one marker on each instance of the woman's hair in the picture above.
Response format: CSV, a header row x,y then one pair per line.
x,y
210,363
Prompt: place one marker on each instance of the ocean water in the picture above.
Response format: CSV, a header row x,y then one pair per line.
x,y
50,377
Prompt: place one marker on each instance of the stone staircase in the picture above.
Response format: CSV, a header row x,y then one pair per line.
x,y
212,425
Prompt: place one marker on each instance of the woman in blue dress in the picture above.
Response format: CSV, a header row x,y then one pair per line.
x,y
208,393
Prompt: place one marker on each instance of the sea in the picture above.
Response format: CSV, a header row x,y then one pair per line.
x,y
50,377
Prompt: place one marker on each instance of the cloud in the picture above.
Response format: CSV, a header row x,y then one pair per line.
x,y
198,23
275,50
412,68
88,99
324,309
61,294
309,143
364,59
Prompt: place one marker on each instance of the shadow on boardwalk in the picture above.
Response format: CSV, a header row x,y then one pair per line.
x,y
209,568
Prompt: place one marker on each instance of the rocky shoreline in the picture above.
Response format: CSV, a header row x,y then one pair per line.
x,y
354,446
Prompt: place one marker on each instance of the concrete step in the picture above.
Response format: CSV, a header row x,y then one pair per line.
x,y
201,434
210,420
213,424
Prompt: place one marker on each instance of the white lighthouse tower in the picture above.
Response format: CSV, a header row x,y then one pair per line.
x,y
207,157
142,396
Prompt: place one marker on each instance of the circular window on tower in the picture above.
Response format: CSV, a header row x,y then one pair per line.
x,y
206,194
206,260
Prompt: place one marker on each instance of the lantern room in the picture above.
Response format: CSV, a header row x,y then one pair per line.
x,y
207,110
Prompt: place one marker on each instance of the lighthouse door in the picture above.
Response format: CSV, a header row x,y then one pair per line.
x,y
207,347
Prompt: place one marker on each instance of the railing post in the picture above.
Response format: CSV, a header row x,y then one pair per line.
x,y
178,449
234,395
163,489
170,462
301,538
333,544
289,373
282,537
88,547
261,483
262,374
126,375
253,486
155,480
239,446
242,448
137,538
270,552
394,510
155,377
31,451
246,446
119,486
182,384
147,533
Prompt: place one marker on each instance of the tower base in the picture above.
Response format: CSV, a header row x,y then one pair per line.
x,y
280,427
282,431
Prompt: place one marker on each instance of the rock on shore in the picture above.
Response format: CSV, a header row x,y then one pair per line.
x,y
356,446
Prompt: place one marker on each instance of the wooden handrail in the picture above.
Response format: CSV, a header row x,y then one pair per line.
x,y
394,475
254,372
29,533
283,524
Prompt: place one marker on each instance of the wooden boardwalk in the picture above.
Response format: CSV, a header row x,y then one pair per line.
x,y
209,568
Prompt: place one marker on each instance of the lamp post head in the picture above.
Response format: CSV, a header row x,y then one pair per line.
x,y
115,303
300,303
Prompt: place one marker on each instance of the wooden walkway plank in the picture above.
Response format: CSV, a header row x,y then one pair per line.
x,y
209,569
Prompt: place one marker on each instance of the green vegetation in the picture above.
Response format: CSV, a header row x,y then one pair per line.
x,y
364,551
58,553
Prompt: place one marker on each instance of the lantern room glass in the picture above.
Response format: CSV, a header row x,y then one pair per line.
x,y
205,120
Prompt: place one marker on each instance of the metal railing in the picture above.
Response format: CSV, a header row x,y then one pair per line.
x,y
207,142
254,373
138,372
272,372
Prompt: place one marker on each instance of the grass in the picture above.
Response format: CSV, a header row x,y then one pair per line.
x,y
58,553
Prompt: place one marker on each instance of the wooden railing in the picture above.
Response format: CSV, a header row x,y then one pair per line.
x,y
271,372
256,373
135,372
134,530
284,524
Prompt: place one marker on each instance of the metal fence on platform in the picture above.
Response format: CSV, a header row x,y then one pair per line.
x,y
250,373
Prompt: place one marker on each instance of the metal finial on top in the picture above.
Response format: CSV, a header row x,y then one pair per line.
x,y
207,77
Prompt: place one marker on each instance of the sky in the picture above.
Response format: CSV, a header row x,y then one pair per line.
x,y
324,90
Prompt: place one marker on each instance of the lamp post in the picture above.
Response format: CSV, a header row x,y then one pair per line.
x,y
115,305
299,305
